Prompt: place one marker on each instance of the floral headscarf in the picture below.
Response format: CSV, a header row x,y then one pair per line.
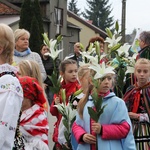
x,y
32,90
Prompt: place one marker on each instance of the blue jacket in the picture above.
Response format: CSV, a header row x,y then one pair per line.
x,y
114,113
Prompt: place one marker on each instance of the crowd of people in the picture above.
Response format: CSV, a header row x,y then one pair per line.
x,y
26,98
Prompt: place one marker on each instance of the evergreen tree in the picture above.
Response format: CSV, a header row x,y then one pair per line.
x,y
73,7
99,12
26,15
35,41
31,20
37,12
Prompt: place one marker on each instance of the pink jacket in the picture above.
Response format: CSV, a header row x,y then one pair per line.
x,y
108,131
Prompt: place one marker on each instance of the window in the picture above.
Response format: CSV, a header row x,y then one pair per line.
x,y
58,17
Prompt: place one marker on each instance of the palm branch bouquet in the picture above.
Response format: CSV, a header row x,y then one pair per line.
x,y
68,112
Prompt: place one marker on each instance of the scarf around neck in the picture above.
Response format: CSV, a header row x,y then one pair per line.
x,y
22,54
136,97
70,87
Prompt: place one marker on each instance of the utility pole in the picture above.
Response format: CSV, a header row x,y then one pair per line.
x,y
123,24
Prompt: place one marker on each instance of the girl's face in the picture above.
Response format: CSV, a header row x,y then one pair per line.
x,y
44,50
70,74
142,73
22,43
106,83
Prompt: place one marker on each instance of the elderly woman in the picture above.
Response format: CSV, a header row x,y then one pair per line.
x,y
11,94
23,52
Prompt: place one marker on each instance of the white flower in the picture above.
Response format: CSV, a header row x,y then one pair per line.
x,y
112,42
101,70
82,63
52,46
92,59
124,49
130,69
87,52
132,60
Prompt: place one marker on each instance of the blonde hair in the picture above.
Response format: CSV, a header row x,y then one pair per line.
x,y
30,68
142,61
20,32
81,73
7,42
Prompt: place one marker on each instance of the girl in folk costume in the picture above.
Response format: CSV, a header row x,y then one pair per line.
x,y
11,94
113,129
31,68
137,99
68,70
33,122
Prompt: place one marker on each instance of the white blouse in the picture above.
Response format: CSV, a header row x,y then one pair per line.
x,y
11,97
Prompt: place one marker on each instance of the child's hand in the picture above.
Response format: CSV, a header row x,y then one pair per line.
x,y
96,127
89,138
45,85
134,115
66,146
57,100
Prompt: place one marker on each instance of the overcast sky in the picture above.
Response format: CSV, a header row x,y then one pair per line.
x,y
137,13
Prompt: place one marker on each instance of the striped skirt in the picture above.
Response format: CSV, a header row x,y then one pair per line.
x,y
141,132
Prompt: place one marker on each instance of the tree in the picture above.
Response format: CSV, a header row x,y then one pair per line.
x,y
38,15
35,41
99,12
26,15
31,20
73,7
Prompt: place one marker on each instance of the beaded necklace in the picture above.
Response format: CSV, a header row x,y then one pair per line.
x,y
6,72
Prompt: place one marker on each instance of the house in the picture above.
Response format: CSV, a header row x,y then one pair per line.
x,y
56,20
88,30
9,14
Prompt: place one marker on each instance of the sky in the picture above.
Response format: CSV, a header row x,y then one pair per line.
x,y
137,13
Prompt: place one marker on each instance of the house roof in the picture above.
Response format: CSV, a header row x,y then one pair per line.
x,y
9,13
96,29
13,9
71,25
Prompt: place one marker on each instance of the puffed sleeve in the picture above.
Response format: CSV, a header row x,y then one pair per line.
x,y
11,97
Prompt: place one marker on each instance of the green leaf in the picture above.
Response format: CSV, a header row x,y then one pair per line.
x,y
114,48
101,110
117,26
99,103
65,123
97,46
66,134
59,39
93,114
72,121
46,39
109,33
